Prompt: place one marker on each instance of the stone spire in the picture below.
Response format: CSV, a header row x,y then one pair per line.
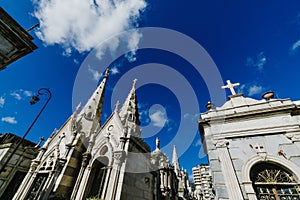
x,y
92,110
175,162
129,112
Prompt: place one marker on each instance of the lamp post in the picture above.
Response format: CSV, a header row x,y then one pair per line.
x,y
34,100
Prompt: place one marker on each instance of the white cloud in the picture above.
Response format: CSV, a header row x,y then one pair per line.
x,y
250,89
19,94
114,70
259,62
133,44
82,25
96,75
255,89
67,52
2,102
241,88
27,93
76,61
296,45
189,116
158,118
16,95
10,120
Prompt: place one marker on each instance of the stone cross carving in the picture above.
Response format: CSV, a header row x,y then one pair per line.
x,y
231,86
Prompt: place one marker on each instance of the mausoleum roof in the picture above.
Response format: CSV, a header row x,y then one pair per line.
x,y
238,105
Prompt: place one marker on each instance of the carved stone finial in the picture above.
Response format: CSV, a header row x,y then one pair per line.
x,y
73,126
77,107
106,73
134,83
209,105
268,95
39,143
117,106
53,132
157,143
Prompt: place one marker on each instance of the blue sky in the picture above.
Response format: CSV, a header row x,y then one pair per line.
x,y
256,43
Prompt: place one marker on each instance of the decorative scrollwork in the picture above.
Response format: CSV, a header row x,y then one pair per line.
x,y
270,182
274,176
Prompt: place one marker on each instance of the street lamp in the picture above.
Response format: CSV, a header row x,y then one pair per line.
x,y
34,100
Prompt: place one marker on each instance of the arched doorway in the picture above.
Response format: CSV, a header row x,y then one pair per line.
x,y
97,177
272,182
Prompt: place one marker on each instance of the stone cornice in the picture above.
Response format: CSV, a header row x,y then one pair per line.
x,y
221,115
257,131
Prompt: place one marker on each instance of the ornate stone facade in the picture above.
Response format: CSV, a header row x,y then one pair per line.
x,y
173,182
247,137
85,159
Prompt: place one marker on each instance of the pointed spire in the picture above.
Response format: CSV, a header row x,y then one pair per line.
x,y
129,112
134,84
175,161
93,108
130,105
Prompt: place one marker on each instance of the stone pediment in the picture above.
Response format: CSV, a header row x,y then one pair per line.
x,y
111,129
239,100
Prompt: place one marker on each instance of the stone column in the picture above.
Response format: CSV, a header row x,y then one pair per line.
x,y
162,179
231,181
119,157
106,182
80,185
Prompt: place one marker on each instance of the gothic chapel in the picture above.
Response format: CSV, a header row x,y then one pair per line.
x,y
87,160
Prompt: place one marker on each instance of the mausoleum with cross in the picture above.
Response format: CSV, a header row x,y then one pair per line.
x,y
253,147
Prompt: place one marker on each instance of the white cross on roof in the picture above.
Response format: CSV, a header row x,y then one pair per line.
x,y
231,86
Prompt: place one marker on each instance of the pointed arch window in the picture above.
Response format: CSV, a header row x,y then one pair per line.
x,y
272,182
97,177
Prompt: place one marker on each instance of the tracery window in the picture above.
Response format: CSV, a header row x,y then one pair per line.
x,y
272,182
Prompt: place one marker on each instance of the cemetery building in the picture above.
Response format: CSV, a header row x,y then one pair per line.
x,y
253,147
85,159
16,167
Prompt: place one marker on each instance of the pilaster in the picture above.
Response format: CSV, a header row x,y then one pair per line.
x,y
231,181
